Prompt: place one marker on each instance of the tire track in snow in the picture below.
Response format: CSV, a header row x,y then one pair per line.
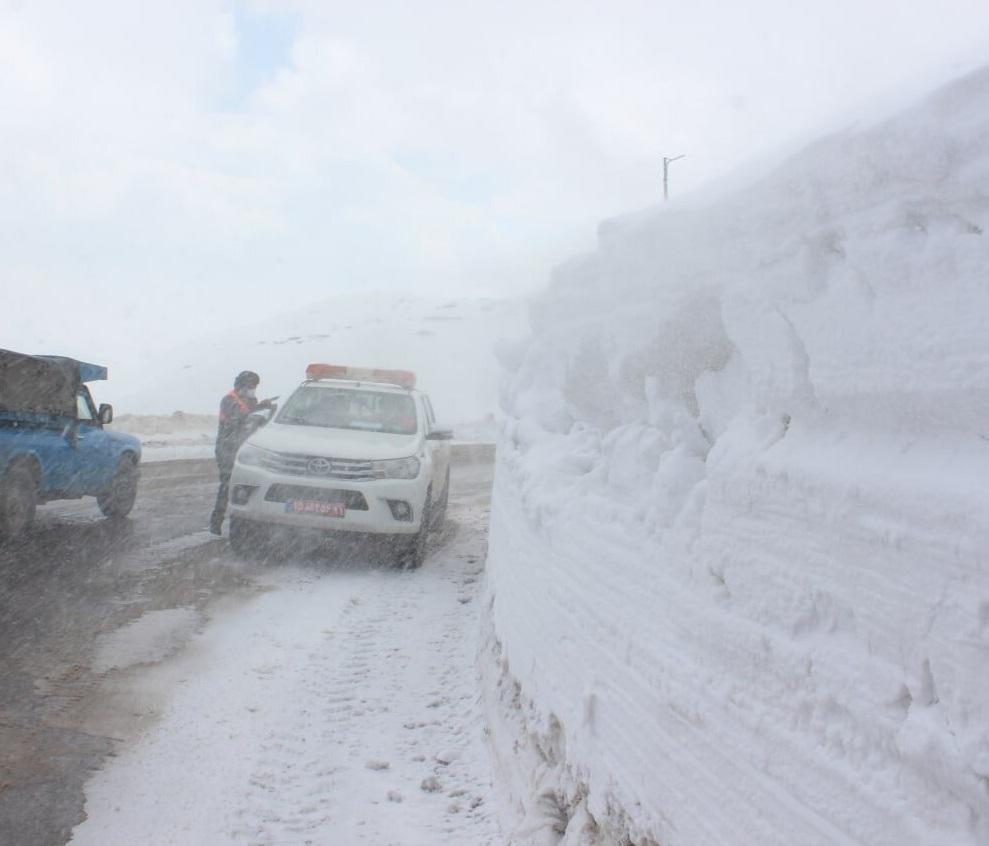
x,y
340,706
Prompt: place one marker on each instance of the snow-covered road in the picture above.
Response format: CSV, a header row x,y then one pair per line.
x,y
340,705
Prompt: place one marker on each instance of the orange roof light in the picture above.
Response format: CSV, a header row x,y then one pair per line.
x,y
402,378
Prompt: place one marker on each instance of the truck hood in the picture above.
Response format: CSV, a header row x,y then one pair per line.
x,y
334,443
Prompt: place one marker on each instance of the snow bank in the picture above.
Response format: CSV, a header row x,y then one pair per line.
x,y
738,577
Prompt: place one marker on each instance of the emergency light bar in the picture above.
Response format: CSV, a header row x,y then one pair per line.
x,y
402,378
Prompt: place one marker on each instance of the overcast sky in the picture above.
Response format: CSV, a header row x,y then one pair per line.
x,y
168,168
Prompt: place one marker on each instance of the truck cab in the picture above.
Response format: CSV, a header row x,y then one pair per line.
x,y
53,444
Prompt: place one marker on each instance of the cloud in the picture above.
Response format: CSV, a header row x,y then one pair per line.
x,y
200,161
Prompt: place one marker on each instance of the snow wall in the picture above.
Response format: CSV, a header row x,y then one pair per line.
x,y
738,586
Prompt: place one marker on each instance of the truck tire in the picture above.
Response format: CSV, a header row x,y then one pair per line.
x,y
118,499
439,511
413,552
246,540
18,501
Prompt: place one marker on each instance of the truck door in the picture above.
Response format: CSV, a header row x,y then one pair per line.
x,y
59,457
94,449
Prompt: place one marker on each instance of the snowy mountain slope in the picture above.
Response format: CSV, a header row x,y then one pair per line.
x,y
448,343
738,577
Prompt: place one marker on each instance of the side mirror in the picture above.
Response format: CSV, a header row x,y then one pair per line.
x,y
105,414
257,419
440,434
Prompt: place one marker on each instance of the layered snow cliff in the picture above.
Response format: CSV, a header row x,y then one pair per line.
x,y
739,566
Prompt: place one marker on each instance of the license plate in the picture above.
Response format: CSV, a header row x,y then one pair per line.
x,y
314,506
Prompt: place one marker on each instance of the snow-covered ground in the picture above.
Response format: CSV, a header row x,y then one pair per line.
x,y
339,705
166,437
738,579
448,343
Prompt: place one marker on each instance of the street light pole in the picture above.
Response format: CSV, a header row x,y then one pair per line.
x,y
666,174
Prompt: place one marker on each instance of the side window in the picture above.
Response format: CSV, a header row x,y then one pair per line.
x,y
430,417
84,408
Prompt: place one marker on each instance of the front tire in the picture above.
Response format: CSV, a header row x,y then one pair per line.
x,y
246,539
414,553
118,499
18,501
439,512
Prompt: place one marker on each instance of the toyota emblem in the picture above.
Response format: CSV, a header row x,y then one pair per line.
x,y
318,466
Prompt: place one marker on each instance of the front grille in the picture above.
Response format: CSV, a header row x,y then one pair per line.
x,y
289,464
354,500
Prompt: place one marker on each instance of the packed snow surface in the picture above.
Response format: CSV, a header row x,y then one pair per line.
x,y
338,705
738,577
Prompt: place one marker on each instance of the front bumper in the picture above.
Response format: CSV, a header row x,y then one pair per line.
x,y
267,502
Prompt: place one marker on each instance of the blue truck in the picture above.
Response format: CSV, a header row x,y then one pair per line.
x,y
53,444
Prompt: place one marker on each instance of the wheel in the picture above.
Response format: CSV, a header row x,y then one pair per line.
x,y
18,501
241,538
439,513
246,539
414,552
118,499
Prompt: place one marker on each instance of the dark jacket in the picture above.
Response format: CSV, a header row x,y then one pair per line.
x,y
234,427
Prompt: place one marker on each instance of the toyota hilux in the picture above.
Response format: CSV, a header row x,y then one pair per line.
x,y
352,450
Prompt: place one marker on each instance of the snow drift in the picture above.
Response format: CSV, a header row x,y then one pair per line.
x,y
738,580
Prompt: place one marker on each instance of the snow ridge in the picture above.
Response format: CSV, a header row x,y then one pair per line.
x,y
737,563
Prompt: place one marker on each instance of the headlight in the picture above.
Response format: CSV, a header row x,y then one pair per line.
x,y
396,468
250,456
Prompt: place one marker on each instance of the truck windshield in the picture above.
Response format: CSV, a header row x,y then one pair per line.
x,y
372,411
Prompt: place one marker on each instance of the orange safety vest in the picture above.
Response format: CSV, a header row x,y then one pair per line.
x,y
244,407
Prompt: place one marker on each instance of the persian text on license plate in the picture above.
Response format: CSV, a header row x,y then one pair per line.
x,y
313,506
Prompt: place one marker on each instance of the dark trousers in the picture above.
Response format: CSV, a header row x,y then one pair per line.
x,y
226,467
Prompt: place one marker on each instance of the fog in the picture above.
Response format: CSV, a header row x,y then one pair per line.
x,y
176,170
606,517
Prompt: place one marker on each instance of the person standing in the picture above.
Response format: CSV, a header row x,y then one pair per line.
x,y
233,430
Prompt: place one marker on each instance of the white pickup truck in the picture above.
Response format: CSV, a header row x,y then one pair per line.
x,y
352,450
